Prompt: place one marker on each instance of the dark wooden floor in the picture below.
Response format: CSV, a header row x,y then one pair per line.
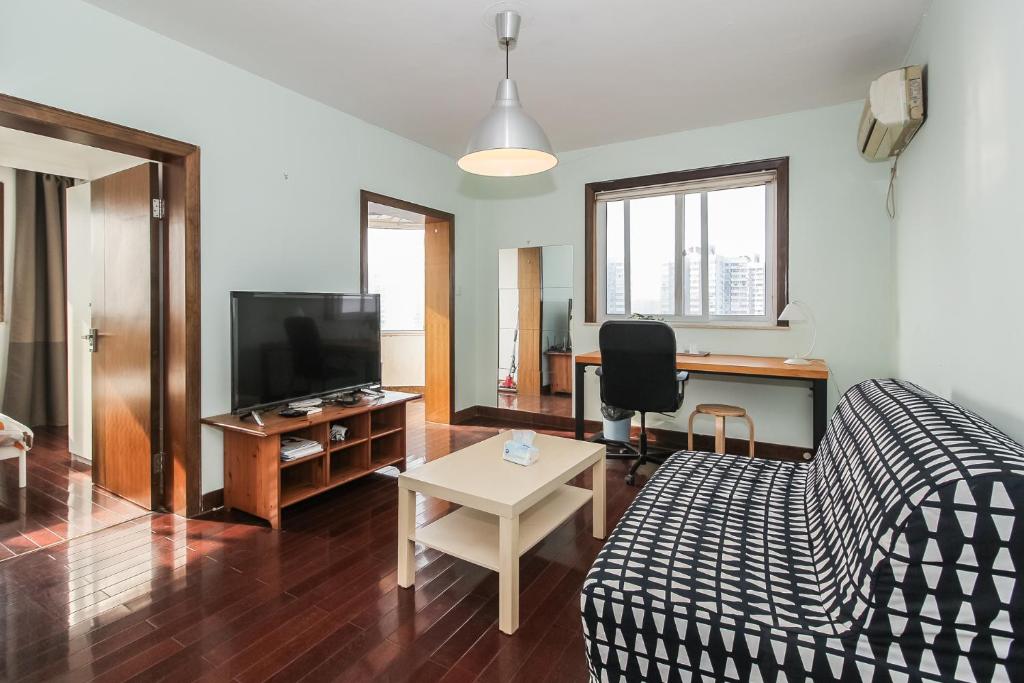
x,y
163,598
549,404
59,501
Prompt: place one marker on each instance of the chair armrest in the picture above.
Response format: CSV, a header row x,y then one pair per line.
x,y
598,371
682,375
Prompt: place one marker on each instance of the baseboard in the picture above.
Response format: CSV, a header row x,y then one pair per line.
x,y
526,417
464,415
666,438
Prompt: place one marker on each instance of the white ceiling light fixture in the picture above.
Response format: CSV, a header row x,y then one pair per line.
x,y
508,142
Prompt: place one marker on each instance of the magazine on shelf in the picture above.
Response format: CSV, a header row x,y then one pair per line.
x,y
293,447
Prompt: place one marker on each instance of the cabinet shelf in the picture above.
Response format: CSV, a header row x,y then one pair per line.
x,y
296,492
347,443
343,475
384,431
386,461
305,458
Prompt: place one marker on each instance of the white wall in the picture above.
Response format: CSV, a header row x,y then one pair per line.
x,y
7,176
79,285
403,355
839,253
959,231
260,229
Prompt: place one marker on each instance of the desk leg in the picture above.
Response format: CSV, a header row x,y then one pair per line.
x,y
508,574
581,375
599,475
406,527
819,397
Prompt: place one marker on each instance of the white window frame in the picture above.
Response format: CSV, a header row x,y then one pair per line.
x,y
769,179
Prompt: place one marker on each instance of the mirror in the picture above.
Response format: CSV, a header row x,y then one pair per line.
x,y
535,310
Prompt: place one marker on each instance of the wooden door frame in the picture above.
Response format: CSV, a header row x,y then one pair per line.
x,y
182,492
365,198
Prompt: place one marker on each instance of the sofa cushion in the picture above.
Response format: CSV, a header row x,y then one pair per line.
x,y
726,534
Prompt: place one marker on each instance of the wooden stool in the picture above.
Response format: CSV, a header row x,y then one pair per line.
x,y
720,412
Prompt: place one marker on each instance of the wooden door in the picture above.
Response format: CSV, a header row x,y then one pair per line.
x,y
528,381
125,313
438,324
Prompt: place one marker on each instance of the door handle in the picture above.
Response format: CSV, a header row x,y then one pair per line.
x,y
93,338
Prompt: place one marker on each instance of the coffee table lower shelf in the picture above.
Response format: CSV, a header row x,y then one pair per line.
x,y
472,535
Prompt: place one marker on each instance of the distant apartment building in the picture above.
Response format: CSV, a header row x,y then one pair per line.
x,y
616,287
735,284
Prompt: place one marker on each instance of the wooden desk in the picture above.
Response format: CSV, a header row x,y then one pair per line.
x,y
816,373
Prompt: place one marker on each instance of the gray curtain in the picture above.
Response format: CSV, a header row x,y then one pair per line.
x,y
36,392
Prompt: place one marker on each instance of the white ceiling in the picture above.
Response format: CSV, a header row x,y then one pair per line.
x,y
381,216
590,71
30,152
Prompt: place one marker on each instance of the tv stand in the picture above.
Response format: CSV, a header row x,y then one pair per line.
x,y
258,482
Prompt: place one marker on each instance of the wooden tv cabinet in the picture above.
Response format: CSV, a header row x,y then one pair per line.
x,y
258,482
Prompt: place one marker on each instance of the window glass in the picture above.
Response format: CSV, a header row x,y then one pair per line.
x,y
692,290
615,247
652,250
736,251
699,250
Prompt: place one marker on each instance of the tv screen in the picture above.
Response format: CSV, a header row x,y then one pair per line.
x,y
286,347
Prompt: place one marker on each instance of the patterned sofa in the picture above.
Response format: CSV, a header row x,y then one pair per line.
x,y
893,555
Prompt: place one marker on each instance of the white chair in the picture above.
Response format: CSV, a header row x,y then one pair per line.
x,y
15,442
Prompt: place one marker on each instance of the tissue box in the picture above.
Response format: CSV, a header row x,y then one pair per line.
x,y
520,453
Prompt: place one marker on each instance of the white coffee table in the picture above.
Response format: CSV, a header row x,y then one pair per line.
x,y
506,508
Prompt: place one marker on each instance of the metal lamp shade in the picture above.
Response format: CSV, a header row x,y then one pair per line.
x,y
792,313
508,142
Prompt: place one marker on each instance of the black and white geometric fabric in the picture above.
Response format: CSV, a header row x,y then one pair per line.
x,y
893,555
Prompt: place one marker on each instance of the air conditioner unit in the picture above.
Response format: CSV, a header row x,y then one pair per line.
x,y
892,114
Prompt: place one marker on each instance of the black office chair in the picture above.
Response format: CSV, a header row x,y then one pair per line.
x,y
638,372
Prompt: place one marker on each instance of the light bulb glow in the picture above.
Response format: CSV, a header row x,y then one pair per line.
x,y
507,163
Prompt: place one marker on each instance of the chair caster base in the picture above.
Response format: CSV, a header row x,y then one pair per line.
x,y
630,479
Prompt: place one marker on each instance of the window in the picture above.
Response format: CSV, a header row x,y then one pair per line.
x,y
396,273
707,247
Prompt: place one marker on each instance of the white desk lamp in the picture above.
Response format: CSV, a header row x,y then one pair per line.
x,y
799,312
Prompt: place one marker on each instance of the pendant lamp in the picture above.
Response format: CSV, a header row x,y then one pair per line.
x,y
508,142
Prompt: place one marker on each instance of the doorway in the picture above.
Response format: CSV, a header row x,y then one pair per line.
x,y
407,256
77,221
176,452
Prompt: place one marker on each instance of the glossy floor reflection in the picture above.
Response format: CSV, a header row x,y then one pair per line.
x,y
163,598
59,501
547,404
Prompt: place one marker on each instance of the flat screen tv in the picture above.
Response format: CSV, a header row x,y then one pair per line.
x,y
287,347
